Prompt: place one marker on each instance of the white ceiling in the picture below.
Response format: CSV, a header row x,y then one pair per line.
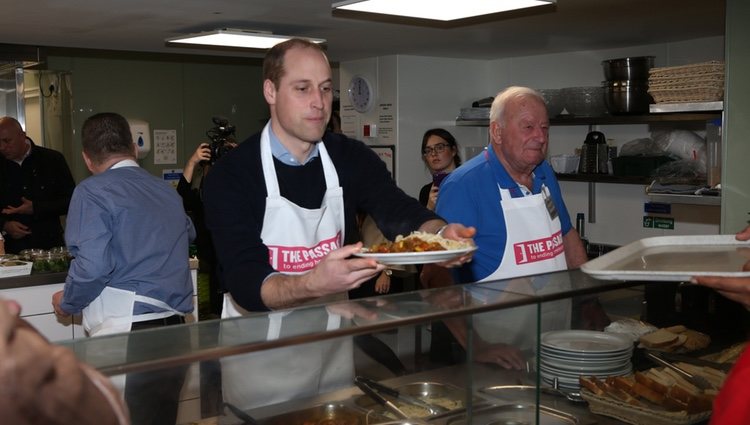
x,y
142,25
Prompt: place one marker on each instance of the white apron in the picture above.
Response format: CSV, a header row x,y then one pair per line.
x,y
112,312
298,239
533,245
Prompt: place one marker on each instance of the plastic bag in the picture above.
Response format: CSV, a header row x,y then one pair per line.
x,y
683,171
682,144
640,147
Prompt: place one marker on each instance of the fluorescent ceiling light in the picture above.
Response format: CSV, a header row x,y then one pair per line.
x,y
229,37
442,10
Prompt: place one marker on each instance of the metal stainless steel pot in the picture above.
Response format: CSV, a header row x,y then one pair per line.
x,y
627,97
635,68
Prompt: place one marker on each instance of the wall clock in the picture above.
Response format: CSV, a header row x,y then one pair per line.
x,y
361,94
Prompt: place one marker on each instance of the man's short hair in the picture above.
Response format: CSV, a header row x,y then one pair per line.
x,y
501,100
273,63
106,134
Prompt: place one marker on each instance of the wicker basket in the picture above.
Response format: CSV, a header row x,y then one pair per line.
x,y
714,78
700,82
691,70
686,94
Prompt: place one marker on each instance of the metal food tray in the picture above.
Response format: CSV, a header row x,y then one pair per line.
x,y
325,414
673,259
424,391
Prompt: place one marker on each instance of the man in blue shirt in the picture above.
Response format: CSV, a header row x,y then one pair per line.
x,y
129,235
510,195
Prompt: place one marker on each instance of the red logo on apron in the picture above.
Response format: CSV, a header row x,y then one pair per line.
x,y
297,259
539,249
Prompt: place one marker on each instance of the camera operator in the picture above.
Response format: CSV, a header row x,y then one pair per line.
x,y
205,155
222,139
190,189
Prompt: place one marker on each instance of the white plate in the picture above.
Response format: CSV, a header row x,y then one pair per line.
x,y
572,379
428,257
576,356
619,370
584,367
673,259
587,342
569,353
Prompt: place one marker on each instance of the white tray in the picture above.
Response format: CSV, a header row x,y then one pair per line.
x,y
19,268
673,259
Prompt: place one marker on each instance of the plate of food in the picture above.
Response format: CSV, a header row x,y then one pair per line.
x,y
417,248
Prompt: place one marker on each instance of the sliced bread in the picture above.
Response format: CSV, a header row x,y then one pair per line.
x,y
659,338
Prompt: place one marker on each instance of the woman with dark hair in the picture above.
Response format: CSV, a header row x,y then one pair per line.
x,y
440,155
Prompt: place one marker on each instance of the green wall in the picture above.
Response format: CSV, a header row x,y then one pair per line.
x,y
735,206
170,93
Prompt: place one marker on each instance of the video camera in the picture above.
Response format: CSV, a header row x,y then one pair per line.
x,y
222,138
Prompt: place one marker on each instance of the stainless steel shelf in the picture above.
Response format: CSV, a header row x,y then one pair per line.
x,y
685,199
666,116
658,108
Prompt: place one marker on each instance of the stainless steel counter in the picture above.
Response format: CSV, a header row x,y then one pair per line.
x,y
482,376
32,280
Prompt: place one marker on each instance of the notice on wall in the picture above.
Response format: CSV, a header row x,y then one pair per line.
x,y
165,146
664,223
172,176
349,121
388,155
386,123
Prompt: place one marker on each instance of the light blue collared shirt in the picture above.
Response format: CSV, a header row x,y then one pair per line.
x,y
282,154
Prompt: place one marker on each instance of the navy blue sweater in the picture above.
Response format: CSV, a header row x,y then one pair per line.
x,y
234,195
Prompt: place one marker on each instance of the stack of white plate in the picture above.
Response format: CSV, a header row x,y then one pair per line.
x,y
568,354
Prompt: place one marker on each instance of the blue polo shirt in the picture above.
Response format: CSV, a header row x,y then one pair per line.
x,y
470,195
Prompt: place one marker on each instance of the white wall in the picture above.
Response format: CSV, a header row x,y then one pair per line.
x,y
429,92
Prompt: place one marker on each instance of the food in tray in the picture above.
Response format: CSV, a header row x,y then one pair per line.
x,y
632,328
418,242
12,263
657,389
413,411
675,339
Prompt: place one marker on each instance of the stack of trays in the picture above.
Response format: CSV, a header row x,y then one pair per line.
x,y
569,354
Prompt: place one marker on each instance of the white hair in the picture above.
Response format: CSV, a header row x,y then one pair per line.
x,y
502,98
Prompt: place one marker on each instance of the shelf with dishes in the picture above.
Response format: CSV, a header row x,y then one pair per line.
x,y
654,117
604,178
664,113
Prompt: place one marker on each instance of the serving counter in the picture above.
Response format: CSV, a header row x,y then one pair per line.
x,y
511,314
34,293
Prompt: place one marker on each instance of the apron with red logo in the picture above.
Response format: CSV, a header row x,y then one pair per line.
x,y
297,239
533,245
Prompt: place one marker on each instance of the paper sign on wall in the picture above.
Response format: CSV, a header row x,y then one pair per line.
x,y
172,176
387,154
165,146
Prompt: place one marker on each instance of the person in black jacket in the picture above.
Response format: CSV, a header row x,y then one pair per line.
x,y
440,155
35,190
193,203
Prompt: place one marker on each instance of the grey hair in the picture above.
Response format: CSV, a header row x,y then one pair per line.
x,y
513,92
